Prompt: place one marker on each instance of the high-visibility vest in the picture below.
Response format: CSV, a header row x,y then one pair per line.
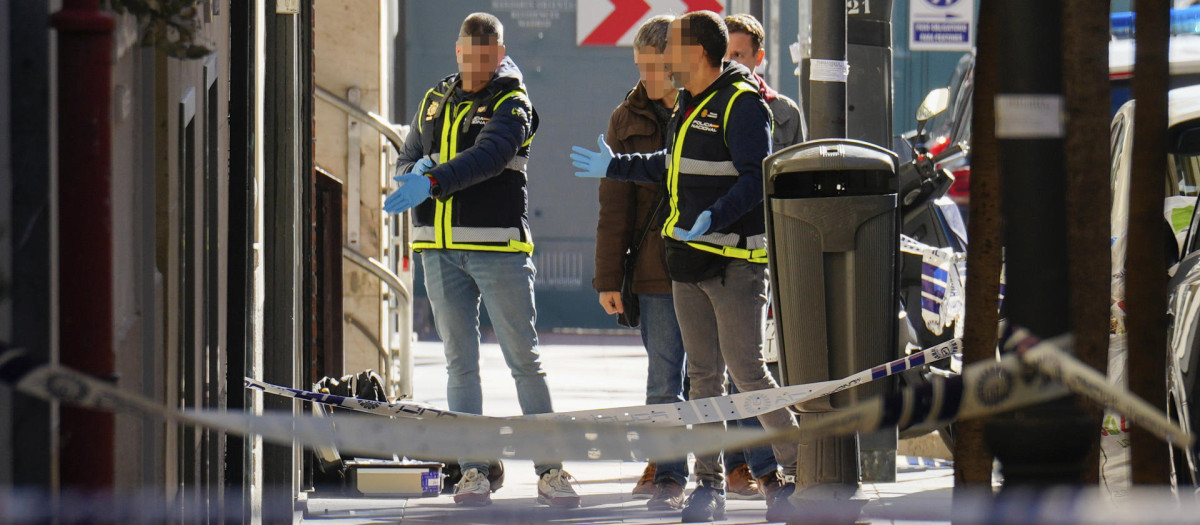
x,y
489,216
700,170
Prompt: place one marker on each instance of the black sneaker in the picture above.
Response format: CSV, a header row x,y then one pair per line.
x,y
779,508
496,474
704,505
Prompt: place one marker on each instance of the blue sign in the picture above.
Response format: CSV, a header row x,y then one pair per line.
x,y
941,25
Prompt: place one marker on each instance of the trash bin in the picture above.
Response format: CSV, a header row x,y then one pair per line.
x,y
832,226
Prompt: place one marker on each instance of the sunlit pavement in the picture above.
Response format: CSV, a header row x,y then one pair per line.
x,y
592,372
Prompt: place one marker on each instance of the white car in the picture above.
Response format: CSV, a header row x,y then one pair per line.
x,y
1182,247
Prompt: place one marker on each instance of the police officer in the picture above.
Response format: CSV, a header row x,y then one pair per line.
x,y
715,234
464,172
751,473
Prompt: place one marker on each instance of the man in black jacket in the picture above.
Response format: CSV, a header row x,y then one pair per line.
x,y
743,468
715,235
464,172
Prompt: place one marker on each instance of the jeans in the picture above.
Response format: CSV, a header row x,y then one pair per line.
x,y
761,459
722,320
665,370
456,281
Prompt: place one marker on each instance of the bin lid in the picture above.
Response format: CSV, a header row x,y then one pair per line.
x,y
830,155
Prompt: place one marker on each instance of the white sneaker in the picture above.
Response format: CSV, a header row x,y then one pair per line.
x,y
554,489
473,490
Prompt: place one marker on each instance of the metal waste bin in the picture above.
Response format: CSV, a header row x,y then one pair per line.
x,y
832,224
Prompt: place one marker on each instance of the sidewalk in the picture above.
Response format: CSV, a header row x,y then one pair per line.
x,y
583,374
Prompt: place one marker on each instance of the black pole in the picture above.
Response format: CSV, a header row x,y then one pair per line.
x,y
1032,167
756,9
1086,86
240,276
828,104
832,464
1146,287
1046,444
972,458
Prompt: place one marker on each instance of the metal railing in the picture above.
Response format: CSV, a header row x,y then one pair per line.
x,y
394,347
372,119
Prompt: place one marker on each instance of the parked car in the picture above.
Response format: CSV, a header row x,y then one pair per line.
x,y
954,125
1181,244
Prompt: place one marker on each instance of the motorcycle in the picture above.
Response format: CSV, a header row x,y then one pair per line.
x,y
933,247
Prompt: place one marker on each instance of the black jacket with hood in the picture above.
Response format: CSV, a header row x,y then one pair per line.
x,y
481,184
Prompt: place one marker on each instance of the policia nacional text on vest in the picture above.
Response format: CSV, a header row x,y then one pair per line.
x,y
700,170
490,215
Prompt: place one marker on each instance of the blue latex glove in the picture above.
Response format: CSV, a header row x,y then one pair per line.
x,y
593,163
700,227
414,189
422,165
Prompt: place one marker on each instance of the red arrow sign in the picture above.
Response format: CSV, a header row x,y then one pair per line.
x,y
620,21
704,5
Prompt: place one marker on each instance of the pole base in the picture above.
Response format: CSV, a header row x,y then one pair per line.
x,y
1042,446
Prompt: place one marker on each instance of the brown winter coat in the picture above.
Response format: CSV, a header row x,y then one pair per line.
x,y
633,128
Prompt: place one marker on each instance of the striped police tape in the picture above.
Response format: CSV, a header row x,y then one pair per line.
x,y
983,388
1050,359
707,410
482,438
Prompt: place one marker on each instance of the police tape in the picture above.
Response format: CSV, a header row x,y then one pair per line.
x,y
942,290
1050,358
483,438
445,439
984,388
693,412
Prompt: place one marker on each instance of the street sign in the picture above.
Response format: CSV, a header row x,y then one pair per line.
x,y
615,22
941,25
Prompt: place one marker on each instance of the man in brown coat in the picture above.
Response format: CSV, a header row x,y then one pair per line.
x,y
639,125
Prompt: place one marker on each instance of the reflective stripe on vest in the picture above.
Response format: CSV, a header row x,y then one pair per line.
x,y
707,167
443,234
725,244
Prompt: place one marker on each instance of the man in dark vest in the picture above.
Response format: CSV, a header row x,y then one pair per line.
x,y
464,172
715,235
743,468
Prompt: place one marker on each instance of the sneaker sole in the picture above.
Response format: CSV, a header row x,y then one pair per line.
x,y
638,495
558,503
472,500
717,516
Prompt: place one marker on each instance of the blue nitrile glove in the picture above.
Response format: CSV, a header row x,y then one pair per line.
x,y
414,189
593,163
700,227
422,165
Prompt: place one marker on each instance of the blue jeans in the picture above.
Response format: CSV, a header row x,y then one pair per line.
x,y
665,371
456,281
761,459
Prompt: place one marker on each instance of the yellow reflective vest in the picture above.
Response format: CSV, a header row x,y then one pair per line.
x,y
492,214
700,170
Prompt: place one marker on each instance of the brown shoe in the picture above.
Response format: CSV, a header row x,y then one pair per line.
x,y
669,497
740,484
769,485
645,488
